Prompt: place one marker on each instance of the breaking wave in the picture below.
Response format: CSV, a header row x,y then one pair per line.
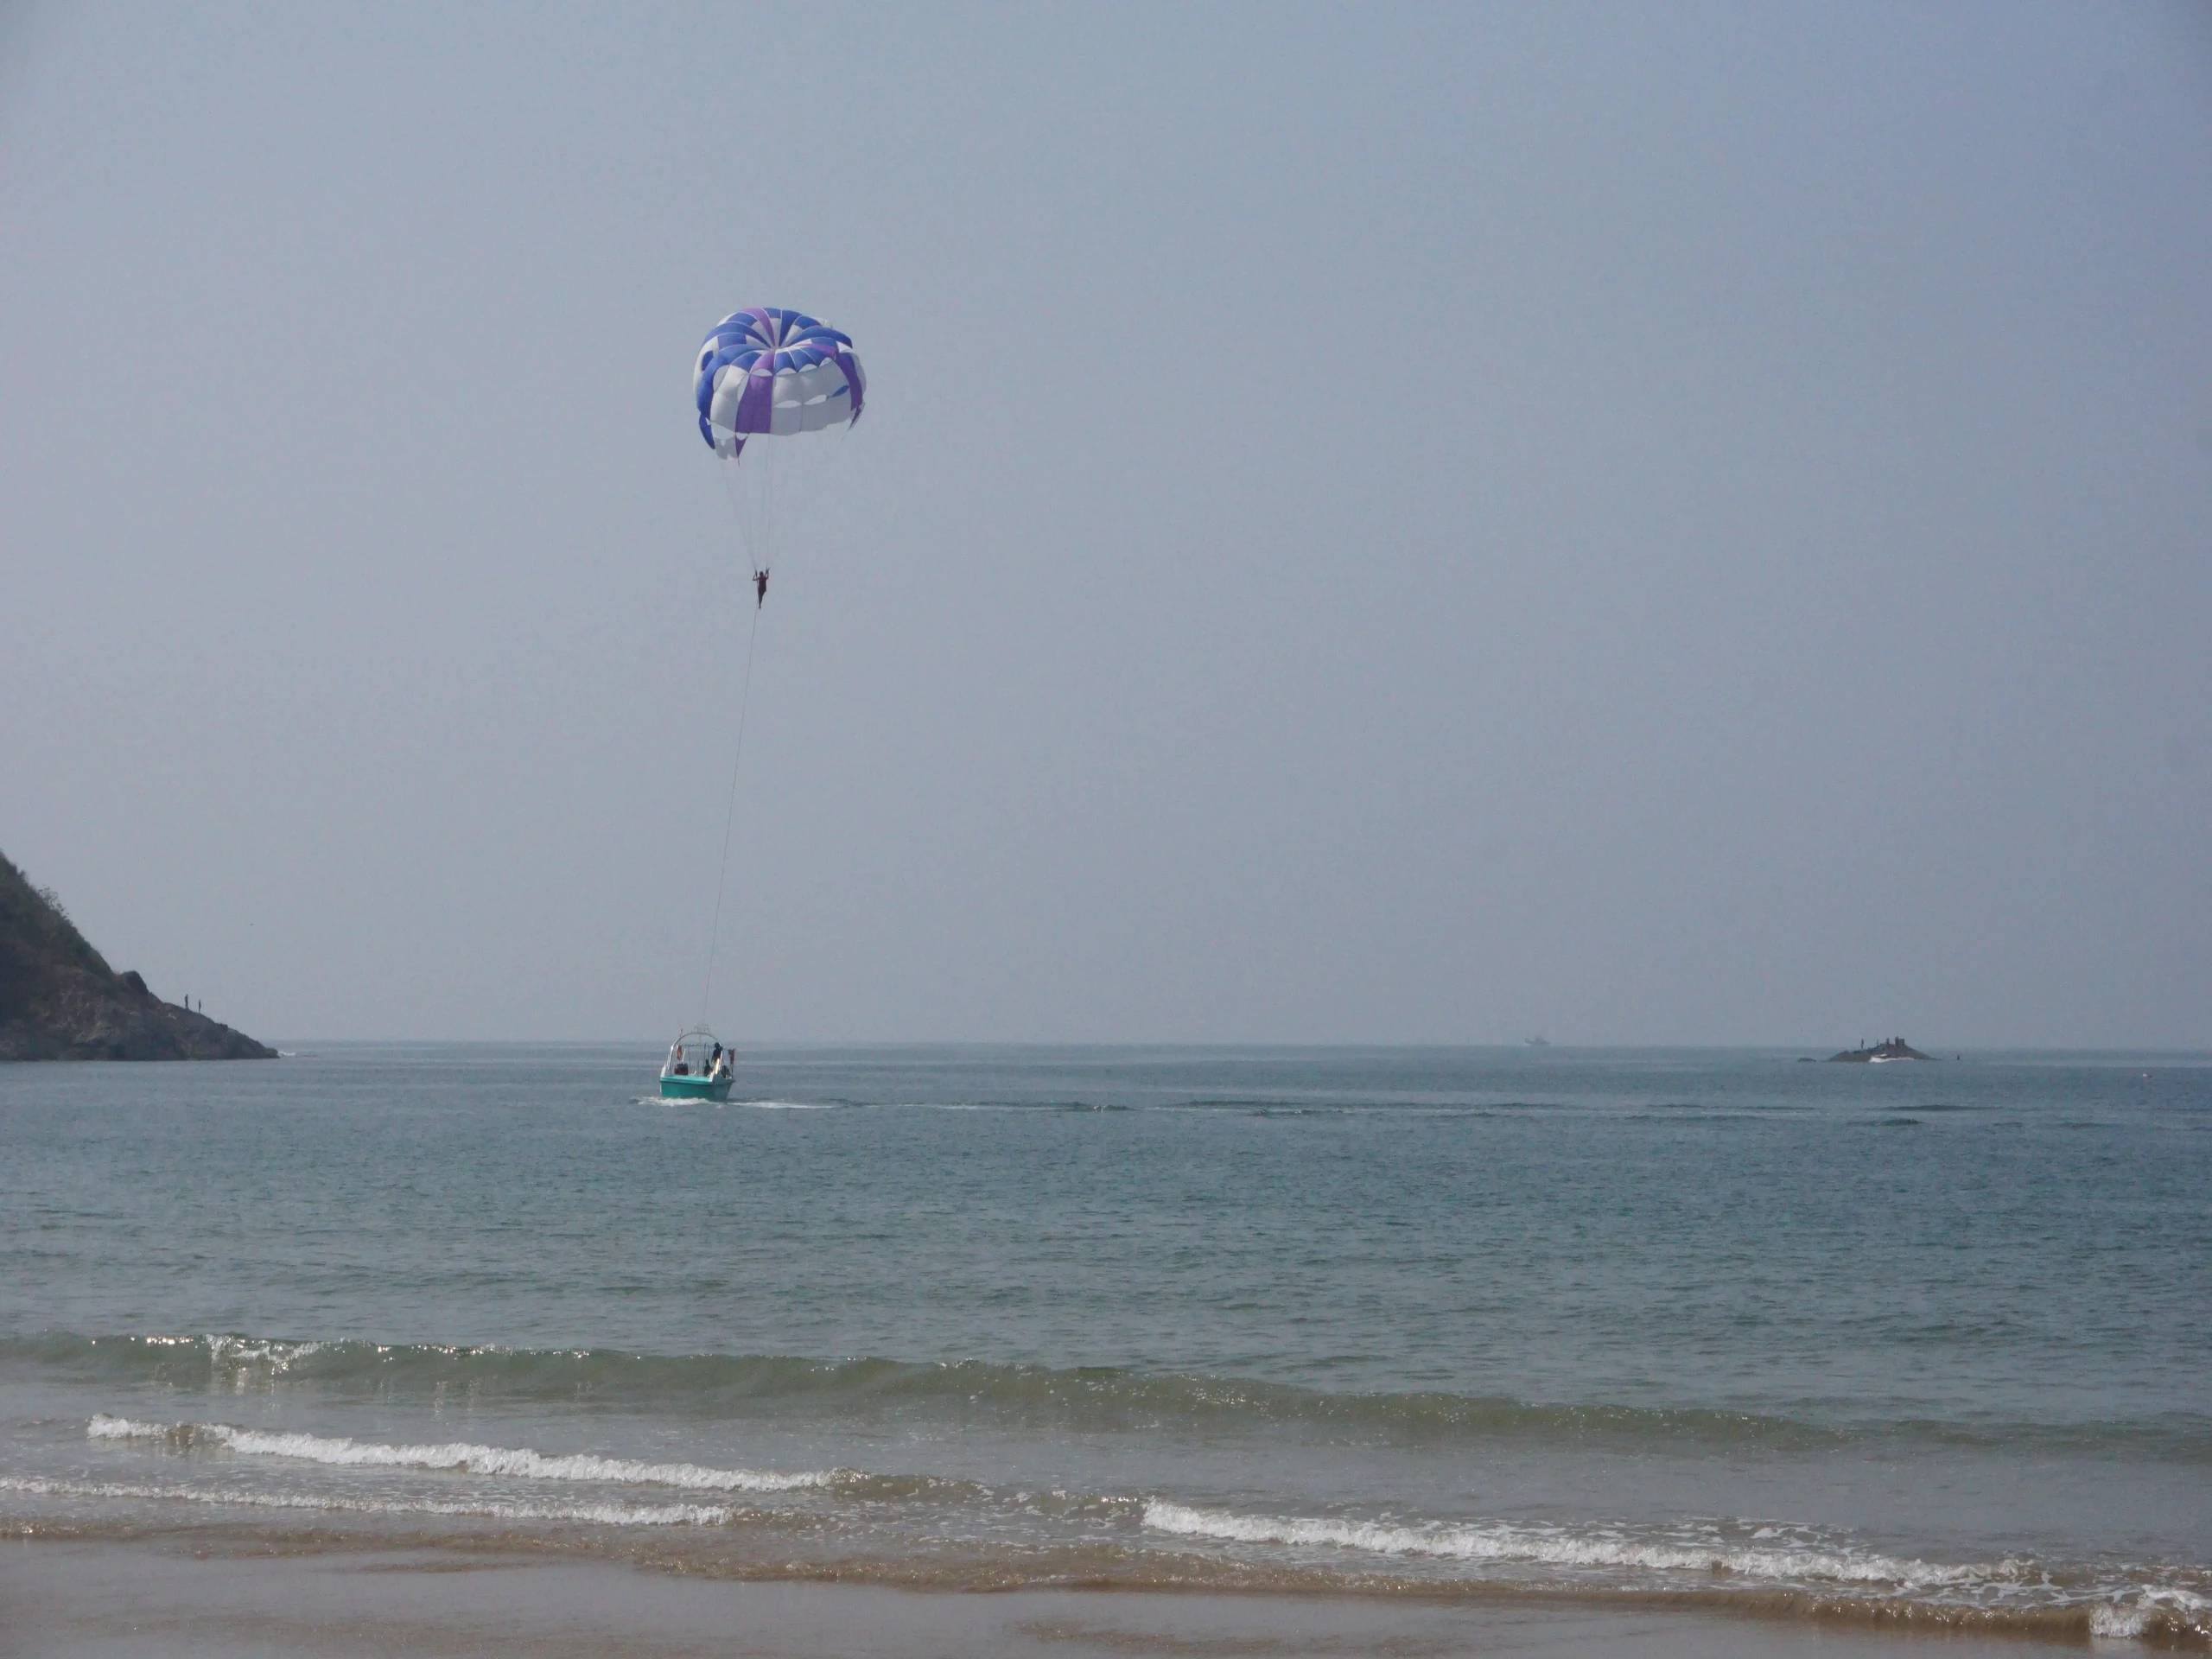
x,y
1090,1399
858,1527
1793,1584
1559,1547
1775,1571
519,1463
613,1514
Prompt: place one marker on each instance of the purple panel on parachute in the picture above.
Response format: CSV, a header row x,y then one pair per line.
x,y
851,370
756,402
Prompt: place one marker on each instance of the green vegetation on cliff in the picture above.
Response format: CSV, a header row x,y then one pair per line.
x,y
60,999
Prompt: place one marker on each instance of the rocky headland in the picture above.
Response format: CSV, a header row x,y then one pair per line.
x,y
60,999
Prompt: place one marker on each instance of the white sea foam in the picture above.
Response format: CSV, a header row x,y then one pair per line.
x,y
519,1463
611,1515
2133,1615
1558,1547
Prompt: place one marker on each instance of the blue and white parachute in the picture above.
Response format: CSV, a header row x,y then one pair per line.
x,y
766,369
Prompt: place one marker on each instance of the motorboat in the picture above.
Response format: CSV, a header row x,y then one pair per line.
x,y
697,1067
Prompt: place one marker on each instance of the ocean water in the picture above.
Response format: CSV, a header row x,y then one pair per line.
x,y
1918,1345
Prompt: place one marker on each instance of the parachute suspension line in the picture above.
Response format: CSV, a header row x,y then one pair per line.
x,y
750,482
767,522
729,818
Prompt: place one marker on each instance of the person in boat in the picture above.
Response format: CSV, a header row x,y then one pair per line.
x,y
715,1062
759,588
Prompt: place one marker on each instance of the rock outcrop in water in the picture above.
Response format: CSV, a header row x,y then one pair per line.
x,y
1896,1049
60,999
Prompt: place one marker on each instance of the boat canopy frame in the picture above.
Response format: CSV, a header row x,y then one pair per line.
x,y
691,1049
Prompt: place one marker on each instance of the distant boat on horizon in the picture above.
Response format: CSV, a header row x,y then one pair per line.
x,y
1882,1053
1533,1042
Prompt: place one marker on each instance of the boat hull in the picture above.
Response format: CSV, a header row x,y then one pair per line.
x,y
696,1088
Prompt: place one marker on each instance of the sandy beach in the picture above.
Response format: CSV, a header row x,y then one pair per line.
x,y
181,1600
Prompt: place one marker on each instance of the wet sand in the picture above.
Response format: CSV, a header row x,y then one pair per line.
x,y
70,1600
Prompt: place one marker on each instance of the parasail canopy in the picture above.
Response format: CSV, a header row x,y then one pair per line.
x,y
764,369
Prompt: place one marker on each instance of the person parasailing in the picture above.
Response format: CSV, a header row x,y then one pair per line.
x,y
767,371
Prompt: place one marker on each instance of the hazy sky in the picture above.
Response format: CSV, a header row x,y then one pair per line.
x,y
1419,523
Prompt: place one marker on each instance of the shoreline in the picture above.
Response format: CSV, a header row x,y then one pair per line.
x,y
175,1598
